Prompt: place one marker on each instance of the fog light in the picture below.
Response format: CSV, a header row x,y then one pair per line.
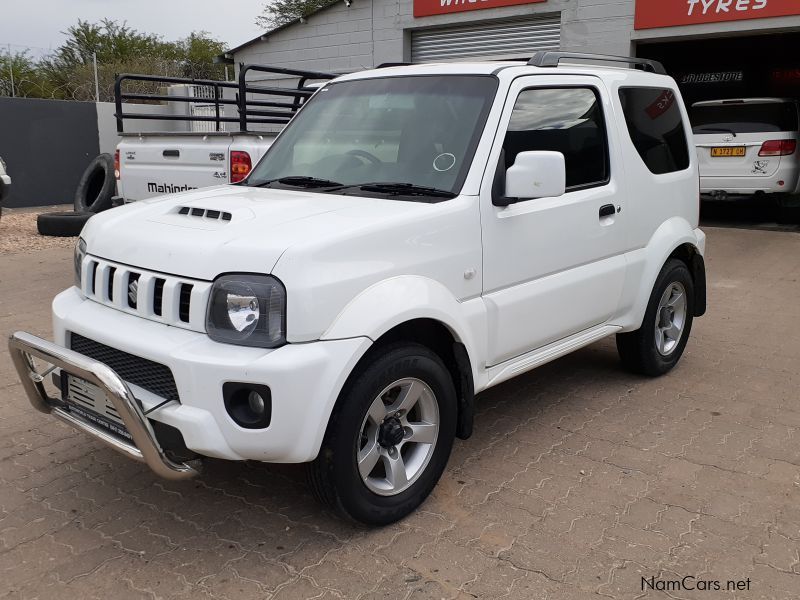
x,y
249,405
256,403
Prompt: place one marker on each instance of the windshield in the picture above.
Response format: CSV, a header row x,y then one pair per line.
x,y
417,131
745,118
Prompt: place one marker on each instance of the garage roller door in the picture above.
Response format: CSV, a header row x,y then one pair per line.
x,y
512,38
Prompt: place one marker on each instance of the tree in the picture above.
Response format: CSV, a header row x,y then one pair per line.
x,y
197,53
69,72
119,49
19,77
112,41
280,12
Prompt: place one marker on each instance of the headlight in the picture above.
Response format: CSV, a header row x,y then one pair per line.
x,y
80,253
247,310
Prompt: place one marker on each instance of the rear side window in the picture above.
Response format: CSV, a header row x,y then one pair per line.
x,y
566,120
656,128
745,118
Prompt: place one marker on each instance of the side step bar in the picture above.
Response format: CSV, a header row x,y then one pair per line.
x,y
25,347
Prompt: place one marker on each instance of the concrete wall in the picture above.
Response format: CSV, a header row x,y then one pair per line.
x,y
47,145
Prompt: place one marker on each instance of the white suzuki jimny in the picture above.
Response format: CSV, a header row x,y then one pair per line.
x,y
415,235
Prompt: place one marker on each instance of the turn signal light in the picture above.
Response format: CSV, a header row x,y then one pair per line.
x,y
116,164
240,165
778,148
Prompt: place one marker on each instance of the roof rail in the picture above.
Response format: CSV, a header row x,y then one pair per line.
x,y
551,59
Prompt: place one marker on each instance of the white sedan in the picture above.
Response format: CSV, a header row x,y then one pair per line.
x,y
747,146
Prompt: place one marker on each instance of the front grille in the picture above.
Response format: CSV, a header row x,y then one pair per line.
x,y
158,296
185,302
175,301
110,291
149,375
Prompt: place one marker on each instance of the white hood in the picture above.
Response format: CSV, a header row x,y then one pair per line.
x,y
263,224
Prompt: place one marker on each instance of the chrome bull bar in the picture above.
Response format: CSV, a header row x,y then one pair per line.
x,y
25,347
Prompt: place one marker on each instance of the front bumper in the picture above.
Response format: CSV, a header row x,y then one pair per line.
x,y
24,347
305,380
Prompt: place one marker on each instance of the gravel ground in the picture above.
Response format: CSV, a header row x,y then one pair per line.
x,y
18,231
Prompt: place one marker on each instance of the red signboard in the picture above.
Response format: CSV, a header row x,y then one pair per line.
x,y
669,13
426,8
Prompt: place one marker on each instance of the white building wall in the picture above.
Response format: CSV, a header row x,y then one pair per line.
x,y
371,32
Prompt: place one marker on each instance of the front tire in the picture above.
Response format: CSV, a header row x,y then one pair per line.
x,y
657,346
389,437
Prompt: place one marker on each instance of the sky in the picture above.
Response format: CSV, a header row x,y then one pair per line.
x,y
38,24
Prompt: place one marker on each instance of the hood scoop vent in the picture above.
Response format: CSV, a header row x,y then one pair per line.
x,y
203,213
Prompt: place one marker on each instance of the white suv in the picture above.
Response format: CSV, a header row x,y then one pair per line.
x,y
747,146
416,235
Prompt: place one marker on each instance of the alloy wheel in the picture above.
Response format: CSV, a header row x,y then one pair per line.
x,y
398,436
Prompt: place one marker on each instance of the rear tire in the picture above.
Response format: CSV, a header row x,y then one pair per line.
x,y
389,437
656,347
62,224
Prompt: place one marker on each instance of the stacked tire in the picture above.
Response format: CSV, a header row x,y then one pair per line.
x,y
94,194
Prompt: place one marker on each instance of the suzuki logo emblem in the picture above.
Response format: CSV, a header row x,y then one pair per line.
x,y
727,138
133,290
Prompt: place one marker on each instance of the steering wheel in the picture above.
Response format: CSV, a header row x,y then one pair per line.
x,y
365,155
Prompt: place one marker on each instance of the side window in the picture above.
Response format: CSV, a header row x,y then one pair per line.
x,y
566,120
656,128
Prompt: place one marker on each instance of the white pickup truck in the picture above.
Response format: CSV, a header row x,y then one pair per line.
x,y
416,235
221,128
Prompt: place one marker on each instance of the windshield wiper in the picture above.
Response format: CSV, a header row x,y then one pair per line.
x,y
401,189
300,181
725,129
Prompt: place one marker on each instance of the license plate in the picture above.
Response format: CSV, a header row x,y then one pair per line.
x,y
729,151
88,401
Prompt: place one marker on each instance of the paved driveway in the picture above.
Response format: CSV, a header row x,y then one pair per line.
x,y
580,480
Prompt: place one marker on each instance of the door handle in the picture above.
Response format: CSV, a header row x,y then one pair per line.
x,y
607,210
171,153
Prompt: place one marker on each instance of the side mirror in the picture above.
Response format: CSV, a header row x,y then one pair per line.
x,y
539,174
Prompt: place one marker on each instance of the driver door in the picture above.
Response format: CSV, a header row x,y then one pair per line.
x,y
553,267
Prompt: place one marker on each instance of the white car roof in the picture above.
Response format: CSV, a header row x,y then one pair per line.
x,y
493,67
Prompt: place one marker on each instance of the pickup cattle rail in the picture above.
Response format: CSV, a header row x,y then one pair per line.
x,y
250,111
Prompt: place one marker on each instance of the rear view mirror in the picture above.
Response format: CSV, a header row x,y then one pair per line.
x,y
540,174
